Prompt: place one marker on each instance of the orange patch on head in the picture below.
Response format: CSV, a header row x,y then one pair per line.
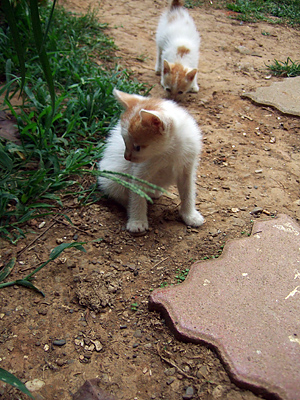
x,y
178,73
182,51
142,135
178,79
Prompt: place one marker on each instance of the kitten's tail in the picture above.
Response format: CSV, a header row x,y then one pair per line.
x,y
176,4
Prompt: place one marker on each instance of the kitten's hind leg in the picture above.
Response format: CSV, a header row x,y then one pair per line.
x,y
158,61
186,188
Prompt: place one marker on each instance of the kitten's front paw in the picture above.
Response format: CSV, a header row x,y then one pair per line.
x,y
193,219
137,226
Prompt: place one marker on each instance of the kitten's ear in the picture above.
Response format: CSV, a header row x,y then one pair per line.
x,y
167,68
152,118
191,74
125,99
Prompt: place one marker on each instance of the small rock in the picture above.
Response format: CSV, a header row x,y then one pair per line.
x,y
170,380
218,392
59,342
258,171
43,311
79,342
34,385
189,393
46,347
170,371
98,345
138,333
42,224
256,210
59,240
60,362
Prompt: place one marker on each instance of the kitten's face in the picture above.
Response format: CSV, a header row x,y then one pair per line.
x,y
177,79
143,129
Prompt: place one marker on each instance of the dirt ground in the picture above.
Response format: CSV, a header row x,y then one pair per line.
x,y
94,320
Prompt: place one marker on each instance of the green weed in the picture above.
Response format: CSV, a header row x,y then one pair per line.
x,y
181,275
12,380
287,68
287,11
134,306
59,143
193,3
26,281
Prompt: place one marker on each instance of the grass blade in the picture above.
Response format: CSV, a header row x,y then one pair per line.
x,y
7,269
55,253
39,42
9,378
10,16
29,285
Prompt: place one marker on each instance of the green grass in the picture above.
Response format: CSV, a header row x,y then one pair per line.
x,y
57,147
286,11
193,3
287,68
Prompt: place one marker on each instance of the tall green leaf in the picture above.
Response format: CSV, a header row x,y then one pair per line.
x,y
9,378
10,16
39,42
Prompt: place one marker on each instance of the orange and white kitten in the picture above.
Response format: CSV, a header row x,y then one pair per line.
x,y
158,141
178,43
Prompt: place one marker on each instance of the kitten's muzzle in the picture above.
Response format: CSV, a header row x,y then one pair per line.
x,y
128,155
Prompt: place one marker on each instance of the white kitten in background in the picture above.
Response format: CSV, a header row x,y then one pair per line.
x,y
158,141
178,43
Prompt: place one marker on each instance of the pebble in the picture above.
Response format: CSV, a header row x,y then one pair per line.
x,y
138,333
98,345
170,371
34,385
46,347
59,342
170,380
218,392
256,210
189,393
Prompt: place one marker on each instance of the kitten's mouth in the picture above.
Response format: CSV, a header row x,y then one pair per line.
x,y
132,159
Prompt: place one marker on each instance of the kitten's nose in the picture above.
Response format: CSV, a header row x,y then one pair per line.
x,y
127,156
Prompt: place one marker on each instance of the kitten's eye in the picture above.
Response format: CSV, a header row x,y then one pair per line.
x,y
137,148
168,90
180,92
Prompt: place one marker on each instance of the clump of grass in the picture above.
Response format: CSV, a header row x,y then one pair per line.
x,y
193,3
57,146
287,11
181,275
287,68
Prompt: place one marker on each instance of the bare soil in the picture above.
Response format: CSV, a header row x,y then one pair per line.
x,y
97,301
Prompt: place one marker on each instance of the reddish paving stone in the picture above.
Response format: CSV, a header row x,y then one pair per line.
x,y
246,305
